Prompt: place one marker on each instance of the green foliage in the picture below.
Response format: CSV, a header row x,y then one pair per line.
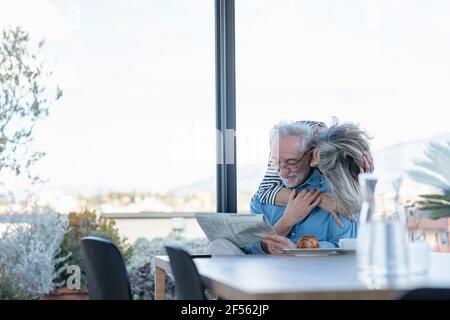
x,y
83,224
435,172
141,265
10,292
24,99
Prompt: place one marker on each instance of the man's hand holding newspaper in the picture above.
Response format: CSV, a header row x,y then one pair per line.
x,y
241,229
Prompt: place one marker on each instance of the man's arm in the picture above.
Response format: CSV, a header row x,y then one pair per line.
x,y
299,206
255,208
274,243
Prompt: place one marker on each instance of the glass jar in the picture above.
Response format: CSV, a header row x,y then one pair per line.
x,y
381,244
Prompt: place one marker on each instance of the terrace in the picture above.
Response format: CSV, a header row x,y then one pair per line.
x,y
130,118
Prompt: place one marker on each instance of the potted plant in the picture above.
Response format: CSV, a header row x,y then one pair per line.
x,y
435,172
141,265
83,224
30,249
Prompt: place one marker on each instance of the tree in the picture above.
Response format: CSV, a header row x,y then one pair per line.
x,y
435,171
24,99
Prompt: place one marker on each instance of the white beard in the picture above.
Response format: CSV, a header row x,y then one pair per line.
x,y
293,185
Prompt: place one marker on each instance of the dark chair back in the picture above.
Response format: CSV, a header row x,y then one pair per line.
x,y
107,277
427,294
188,284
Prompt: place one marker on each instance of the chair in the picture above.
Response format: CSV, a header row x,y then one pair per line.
x,y
107,277
188,284
427,294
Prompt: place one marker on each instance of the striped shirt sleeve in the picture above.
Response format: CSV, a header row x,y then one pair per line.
x,y
270,185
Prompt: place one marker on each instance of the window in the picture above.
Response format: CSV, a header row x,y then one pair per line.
x,y
135,129
382,64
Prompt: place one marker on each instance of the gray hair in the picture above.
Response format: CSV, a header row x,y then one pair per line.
x,y
298,129
341,149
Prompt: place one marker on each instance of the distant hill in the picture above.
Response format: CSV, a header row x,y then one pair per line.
x,y
400,157
395,158
248,180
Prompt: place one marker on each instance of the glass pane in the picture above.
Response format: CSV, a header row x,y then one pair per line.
x,y
135,129
382,64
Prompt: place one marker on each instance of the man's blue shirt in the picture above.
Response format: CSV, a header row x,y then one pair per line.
x,y
318,223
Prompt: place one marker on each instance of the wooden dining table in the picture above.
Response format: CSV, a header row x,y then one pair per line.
x,y
301,277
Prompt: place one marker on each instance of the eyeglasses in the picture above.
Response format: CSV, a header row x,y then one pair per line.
x,y
290,164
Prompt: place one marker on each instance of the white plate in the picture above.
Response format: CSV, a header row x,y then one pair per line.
x,y
318,251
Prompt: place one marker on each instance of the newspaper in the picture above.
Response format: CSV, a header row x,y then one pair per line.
x,y
241,229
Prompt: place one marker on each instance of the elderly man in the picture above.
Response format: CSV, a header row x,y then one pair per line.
x,y
308,208
291,154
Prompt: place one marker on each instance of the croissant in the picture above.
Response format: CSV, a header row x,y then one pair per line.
x,y
308,242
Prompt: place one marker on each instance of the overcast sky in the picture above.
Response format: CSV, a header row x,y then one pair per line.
x,y
138,80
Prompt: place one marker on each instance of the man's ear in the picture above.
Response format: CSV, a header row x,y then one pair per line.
x,y
315,158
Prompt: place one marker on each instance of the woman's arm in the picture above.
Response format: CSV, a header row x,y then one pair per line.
x,y
327,204
282,196
270,186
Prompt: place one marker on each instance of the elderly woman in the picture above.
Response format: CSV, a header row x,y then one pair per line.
x,y
340,153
